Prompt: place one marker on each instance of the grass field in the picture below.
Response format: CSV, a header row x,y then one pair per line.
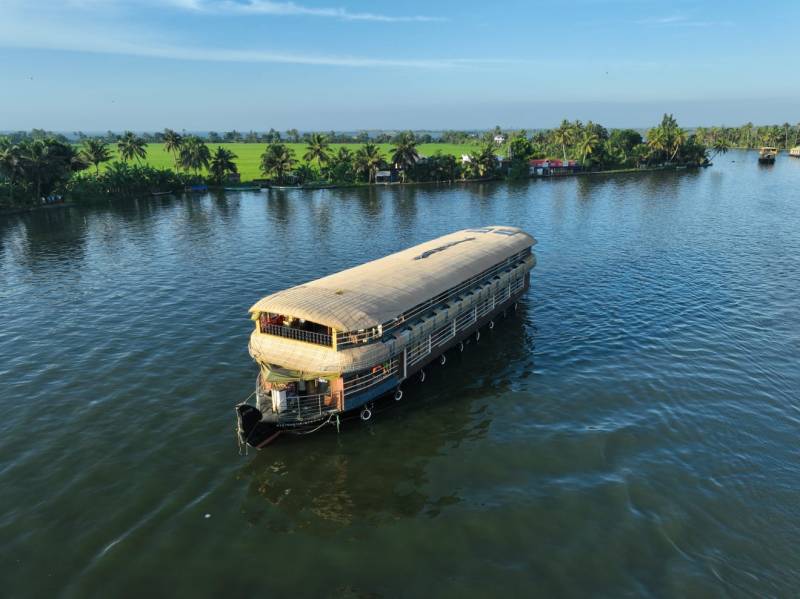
x,y
249,155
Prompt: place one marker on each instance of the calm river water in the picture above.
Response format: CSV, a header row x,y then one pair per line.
x,y
632,430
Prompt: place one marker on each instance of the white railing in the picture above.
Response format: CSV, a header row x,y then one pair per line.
x,y
465,320
484,307
418,351
378,374
506,265
297,334
299,408
443,334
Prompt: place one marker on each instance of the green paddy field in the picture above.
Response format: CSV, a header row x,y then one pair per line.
x,y
248,154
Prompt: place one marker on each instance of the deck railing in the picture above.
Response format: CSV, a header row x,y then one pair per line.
x,y
378,374
352,338
297,334
301,407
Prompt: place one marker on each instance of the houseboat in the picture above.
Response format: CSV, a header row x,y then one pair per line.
x,y
795,152
331,347
767,154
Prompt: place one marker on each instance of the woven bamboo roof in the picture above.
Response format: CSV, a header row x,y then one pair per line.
x,y
376,292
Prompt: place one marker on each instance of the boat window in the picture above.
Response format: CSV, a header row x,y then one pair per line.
x,y
505,232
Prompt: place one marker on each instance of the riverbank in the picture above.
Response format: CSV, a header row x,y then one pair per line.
x,y
249,186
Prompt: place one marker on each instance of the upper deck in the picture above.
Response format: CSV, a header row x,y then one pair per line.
x,y
363,302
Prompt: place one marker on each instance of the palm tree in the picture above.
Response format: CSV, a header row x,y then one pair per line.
x,y
679,138
748,131
405,153
172,143
131,146
317,149
9,164
368,160
720,146
484,162
563,136
222,164
587,144
343,155
95,152
657,142
194,154
277,160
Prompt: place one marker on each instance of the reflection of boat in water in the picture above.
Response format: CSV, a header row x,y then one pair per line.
x,y
767,154
331,347
160,193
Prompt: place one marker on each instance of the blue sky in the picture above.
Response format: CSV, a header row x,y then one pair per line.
x,y
351,64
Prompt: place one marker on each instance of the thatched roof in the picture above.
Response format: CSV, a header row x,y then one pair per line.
x,y
377,292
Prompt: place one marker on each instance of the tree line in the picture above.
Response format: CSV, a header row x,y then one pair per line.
x,y
37,166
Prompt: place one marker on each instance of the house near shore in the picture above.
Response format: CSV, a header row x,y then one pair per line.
x,y
553,167
385,176
499,139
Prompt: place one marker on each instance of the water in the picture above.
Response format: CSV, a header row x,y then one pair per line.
x,y
631,431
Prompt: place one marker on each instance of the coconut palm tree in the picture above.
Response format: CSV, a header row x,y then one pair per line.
x,y
317,149
405,153
194,154
47,163
9,164
222,164
368,160
720,146
131,146
657,142
587,144
172,143
679,138
484,162
563,136
277,160
95,152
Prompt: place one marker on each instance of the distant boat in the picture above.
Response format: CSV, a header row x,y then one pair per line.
x,y
197,188
795,152
160,193
243,188
767,154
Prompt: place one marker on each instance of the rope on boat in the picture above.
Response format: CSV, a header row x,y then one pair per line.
x,y
328,421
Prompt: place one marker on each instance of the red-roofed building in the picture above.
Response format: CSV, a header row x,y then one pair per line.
x,y
550,167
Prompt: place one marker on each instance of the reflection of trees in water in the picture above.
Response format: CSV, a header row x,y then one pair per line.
x,y
279,207
378,471
371,201
405,207
58,233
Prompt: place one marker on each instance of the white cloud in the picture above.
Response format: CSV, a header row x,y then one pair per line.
x,y
107,32
283,9
682,21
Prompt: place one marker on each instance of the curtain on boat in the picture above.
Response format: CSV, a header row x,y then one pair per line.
x,y
276,374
